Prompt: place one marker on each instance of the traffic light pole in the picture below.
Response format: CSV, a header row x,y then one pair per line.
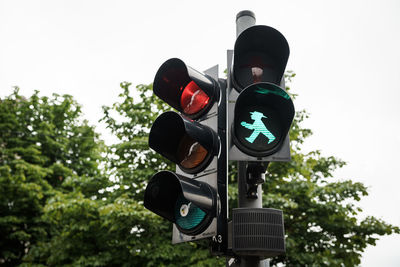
x,y
247,200
251,176
250,195
244,19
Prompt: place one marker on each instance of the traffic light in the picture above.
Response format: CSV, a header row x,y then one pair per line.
x,y
260,113
185,89
260,110
246,118
194,197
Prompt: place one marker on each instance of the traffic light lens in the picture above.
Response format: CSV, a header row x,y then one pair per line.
x,y
190,153
257,73
260,55
187,214
258,127
263,114
193,99
254,68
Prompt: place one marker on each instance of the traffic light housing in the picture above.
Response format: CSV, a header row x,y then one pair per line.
x,y
260,113
260,55
185,89
189,144
186,202
260,110
194,197
262,117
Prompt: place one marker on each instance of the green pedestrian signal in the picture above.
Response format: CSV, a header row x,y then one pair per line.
x,y
258,126
262,117
260,111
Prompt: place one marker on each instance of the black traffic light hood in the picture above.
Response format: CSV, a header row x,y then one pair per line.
x,y
164,189
260,45
170,128
174,75
274,107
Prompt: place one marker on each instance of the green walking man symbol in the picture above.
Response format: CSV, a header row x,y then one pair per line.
x,y
258,127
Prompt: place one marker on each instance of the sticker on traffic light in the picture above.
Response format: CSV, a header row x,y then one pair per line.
x,y
262,117
187,214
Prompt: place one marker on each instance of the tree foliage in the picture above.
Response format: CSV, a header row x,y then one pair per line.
x,y
46,152
321,215
68,200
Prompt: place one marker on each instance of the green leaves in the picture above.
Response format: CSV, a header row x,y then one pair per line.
x,y
67,199
43,143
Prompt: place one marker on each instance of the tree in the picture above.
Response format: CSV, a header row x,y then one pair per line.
x,y
132,163
320,212
46,151
67,200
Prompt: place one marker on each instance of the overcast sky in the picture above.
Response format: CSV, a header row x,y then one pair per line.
x,y
346,55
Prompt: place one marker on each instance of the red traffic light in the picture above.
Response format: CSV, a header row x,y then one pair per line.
x,y
185,89
193,99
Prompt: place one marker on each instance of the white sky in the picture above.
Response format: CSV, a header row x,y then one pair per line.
x,y
346,55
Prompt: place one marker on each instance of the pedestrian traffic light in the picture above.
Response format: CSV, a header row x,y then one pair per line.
x,y
194,197
260,110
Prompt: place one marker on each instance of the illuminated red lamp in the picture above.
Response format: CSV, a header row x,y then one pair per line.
x,y
185,89
193,99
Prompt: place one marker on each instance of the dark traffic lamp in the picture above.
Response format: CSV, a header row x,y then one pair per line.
x,y
185,142
188,203
260,55
193,197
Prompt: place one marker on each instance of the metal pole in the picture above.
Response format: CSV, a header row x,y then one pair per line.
x,y
244,201
244,19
